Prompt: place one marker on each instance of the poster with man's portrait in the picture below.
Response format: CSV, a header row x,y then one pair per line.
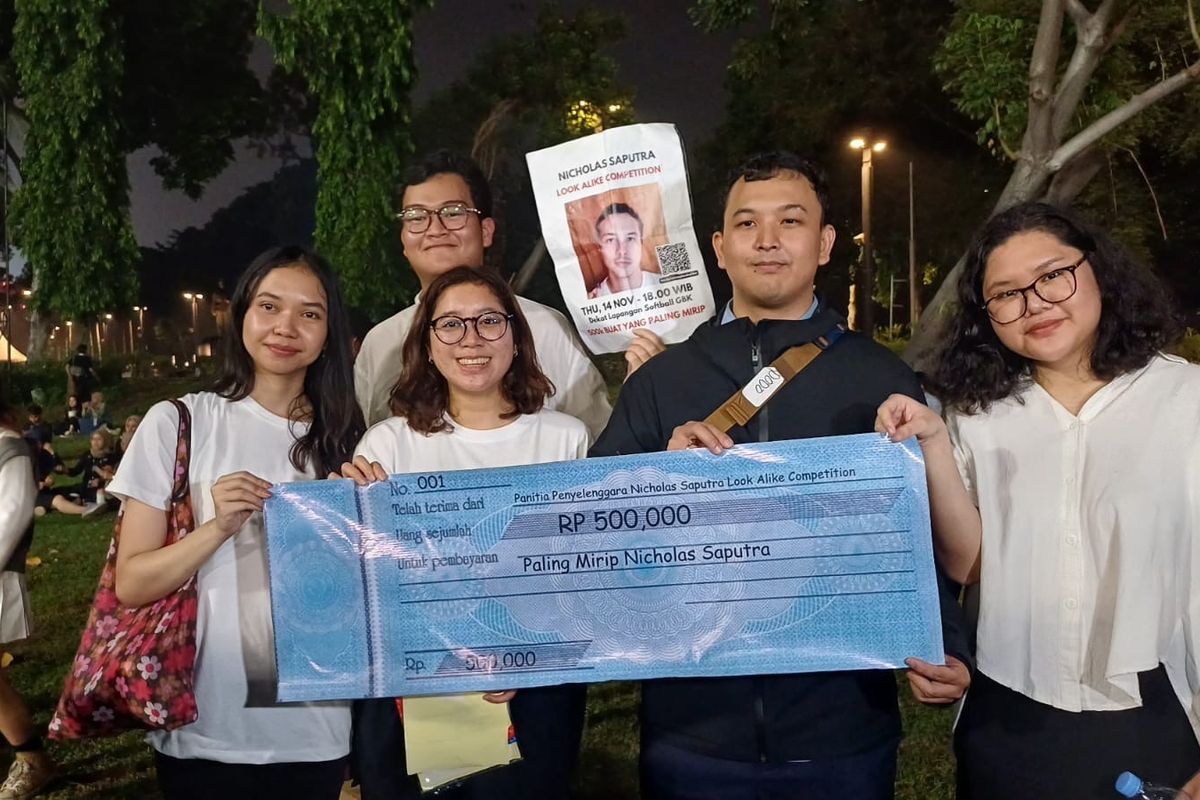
x,y
617,219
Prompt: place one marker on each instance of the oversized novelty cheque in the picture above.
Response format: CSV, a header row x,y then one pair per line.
x,y
797,556
616,216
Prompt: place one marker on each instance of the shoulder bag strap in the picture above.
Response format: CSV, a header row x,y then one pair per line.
x,y
741,407
183,449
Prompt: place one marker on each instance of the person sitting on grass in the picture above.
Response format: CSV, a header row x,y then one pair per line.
x,y
131,425
96,468
95,415
70,424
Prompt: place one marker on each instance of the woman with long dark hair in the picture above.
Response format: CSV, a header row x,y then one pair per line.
x,y
281,410
1066,482
471,396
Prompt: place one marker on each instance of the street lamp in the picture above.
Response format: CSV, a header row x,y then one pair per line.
x,y
194,297
866,278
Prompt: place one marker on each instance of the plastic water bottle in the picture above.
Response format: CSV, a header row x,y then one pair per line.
x,y
1130,785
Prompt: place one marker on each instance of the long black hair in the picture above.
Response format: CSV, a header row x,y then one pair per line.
x,y
337,421
1136,318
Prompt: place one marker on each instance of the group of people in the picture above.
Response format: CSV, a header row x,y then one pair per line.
x,y
1063,480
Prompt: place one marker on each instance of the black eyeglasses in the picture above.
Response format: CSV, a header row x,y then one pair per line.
x,y
454,216
1055,286
451,329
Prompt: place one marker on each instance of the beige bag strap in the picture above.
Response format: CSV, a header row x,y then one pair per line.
x,y
741,407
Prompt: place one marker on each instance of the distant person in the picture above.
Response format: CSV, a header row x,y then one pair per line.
x,y
96,469
47,466
131,426
37,428
81,373
619,232
95,415
446,221
70,424
31,769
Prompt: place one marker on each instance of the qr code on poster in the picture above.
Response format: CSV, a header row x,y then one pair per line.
x,y
672,259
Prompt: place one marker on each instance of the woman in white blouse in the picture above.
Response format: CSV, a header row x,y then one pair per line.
x,y
1066,482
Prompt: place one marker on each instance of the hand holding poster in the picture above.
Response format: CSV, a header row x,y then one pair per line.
x,y
617,218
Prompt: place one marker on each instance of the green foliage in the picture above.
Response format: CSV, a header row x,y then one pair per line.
x,y
356,59
71,216
984,60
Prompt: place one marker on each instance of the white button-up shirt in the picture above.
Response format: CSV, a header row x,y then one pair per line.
x,y
1091,538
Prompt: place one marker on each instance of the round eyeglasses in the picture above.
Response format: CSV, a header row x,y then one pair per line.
x,y
454,216
1055,286
451,329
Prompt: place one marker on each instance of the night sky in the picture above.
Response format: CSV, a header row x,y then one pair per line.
x,y
677,72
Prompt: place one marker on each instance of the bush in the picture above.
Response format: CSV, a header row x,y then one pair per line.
x,y
1189,346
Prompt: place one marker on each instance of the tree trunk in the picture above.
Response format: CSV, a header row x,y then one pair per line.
x,y
37,336
528,269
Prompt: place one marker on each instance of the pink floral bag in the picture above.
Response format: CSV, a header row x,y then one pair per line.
x,y
135,666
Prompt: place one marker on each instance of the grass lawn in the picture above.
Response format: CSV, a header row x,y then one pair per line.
x,y
68,553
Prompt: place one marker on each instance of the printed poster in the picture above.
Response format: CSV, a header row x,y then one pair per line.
x,y
616,215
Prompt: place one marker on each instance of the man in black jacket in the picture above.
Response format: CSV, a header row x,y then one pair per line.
x,y
809,736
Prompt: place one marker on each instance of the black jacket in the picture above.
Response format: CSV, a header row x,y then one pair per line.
x,y
773,718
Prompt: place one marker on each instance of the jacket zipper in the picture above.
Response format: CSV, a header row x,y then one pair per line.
x,y
760,714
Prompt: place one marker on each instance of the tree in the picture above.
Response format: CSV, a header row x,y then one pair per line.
x,y
355,57
129,74
1125,59
70,217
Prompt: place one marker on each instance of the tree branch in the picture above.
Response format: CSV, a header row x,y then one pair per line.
x,y
1071,180
1110,121
1153,196
1078,11
1043,64
1009,153
1192,22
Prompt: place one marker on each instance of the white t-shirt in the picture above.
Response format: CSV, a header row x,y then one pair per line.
x,y
1091,538
232,585
578,388
529,439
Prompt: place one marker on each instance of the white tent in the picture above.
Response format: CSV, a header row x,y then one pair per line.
x,y
17,356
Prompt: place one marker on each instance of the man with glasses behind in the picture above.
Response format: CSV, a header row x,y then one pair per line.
x,y
446,221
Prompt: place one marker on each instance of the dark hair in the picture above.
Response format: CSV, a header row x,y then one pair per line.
x,y
449,162
618,208
974,369
81,349
765,166
35,409
337,421
422,396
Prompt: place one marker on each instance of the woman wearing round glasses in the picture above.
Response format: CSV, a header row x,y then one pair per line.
x,y
1066,482
472,396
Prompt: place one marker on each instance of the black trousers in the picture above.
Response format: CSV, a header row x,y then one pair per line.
x,y
549,725
198,779
1011,746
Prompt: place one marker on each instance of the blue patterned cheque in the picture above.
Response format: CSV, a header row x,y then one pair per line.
x,y
797,556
